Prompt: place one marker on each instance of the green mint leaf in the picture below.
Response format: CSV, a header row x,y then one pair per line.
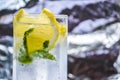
x,y
49,56
23,57
44,54
25,38
46,44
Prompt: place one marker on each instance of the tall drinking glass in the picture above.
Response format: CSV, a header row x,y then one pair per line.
x,y
40,68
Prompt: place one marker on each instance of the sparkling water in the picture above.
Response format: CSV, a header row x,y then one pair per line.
x,y
44,69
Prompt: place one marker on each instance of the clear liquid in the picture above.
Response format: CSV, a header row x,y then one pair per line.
x,y
44,69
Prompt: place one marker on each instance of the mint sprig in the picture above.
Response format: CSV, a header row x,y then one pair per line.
x,y
26,58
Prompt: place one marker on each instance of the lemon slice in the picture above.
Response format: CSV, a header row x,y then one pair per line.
x,y
46,28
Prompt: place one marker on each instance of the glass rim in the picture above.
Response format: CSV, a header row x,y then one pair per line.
x,y
35,16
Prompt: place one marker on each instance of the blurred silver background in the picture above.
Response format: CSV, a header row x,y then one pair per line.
x,y
94,35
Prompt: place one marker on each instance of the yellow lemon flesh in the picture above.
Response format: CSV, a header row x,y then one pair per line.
x,y
39,35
